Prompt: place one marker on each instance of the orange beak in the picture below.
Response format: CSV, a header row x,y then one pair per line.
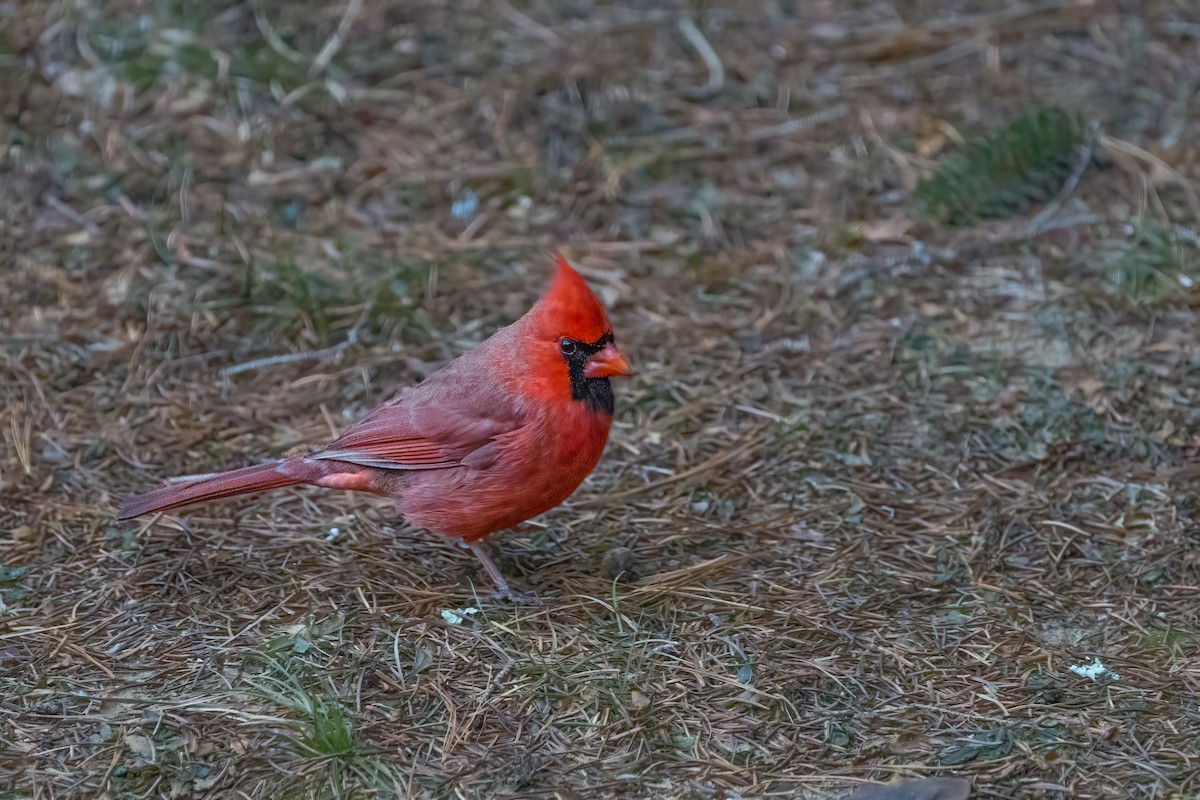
x,y
608,363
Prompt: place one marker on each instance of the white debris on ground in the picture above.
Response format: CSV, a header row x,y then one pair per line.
x,y
458,616
1093,671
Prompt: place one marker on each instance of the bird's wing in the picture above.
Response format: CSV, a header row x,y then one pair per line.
x,y
420,435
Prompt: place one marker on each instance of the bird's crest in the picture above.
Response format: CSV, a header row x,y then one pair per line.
x,y
570,306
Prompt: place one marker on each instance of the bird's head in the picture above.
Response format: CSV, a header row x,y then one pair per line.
x,y
574,348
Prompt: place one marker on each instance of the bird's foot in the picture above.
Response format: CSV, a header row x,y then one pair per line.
x,y
503,592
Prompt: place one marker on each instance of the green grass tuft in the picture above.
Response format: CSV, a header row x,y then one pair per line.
x,y
325,732
1153,264
324,727
285,295
1000,175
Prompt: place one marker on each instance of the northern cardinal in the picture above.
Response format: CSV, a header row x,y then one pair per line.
x,y
503,433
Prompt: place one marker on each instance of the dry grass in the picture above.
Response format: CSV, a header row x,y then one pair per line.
x,y
884,483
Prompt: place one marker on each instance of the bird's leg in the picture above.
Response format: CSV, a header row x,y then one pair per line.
x,y
489,566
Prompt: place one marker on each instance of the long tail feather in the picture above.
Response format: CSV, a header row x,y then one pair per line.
x,y
247,480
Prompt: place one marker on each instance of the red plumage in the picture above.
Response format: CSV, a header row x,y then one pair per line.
x,y
503,433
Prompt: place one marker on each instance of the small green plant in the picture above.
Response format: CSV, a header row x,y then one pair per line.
x,y
11,588
325,730
284,294
178,38
983,746
1154,263
1169,640
1000,175
285,291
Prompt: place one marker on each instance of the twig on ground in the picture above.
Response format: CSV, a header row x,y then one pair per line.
x,y
334,42
530,25
1166,169
274,41
796,125
291,358
1086,150
716,72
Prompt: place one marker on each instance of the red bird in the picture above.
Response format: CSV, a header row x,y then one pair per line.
x,y
501,434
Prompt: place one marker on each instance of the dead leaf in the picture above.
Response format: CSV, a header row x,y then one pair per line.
x,y
887,230
140,746
1094,394
931,139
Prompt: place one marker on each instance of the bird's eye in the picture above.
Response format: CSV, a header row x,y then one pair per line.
x,y
567,346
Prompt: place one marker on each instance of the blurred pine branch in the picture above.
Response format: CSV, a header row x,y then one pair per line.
x,y
1002,174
